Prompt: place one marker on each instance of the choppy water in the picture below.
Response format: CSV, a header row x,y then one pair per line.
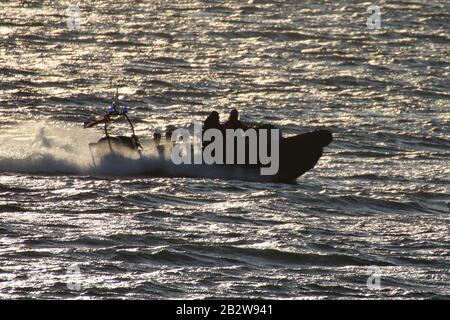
x,y
379,196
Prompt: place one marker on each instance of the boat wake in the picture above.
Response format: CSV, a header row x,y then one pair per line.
x,y
38,148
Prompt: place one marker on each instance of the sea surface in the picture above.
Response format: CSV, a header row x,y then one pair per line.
x,y
376,206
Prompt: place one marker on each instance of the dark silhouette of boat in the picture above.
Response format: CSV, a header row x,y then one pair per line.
x,y
300,153
297,154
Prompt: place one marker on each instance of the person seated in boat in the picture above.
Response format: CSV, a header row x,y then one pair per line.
x,y
212,122
157,140
233,121
169,136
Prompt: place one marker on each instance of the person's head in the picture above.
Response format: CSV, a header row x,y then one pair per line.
x,y
169,134
234,115
214,117
157,137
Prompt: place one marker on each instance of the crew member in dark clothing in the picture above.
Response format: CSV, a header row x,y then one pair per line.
x,y
212,122
233,121
169,134
157,140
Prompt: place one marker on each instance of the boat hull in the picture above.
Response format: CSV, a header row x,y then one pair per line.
x,y
297,154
